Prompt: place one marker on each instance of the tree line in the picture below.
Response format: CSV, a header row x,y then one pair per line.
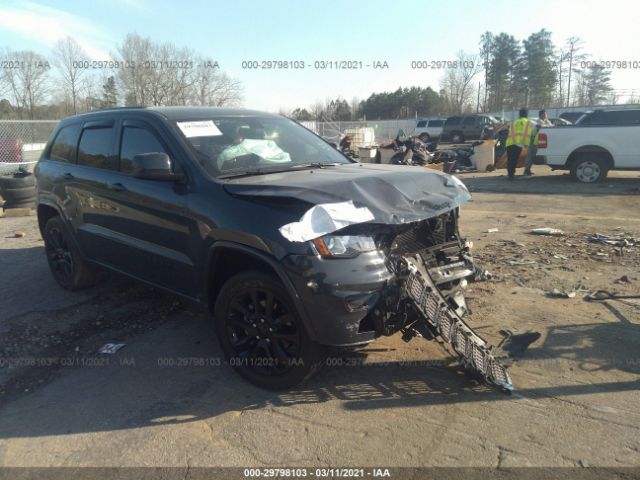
x,y
141,72
504,74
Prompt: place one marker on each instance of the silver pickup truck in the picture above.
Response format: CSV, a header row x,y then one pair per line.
x,y
600,141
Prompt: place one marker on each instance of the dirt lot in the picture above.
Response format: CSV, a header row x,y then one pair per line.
x,y
159,402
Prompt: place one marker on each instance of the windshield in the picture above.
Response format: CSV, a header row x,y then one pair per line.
x,y
243,144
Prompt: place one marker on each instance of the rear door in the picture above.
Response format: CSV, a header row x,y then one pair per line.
x,y
87,185
470,127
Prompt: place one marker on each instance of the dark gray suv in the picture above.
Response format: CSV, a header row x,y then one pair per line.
x,y
290,245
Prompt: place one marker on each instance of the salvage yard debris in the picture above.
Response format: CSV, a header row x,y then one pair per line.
x,y
614,241
555,293
554,232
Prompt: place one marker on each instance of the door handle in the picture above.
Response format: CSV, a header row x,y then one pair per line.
x,y
68,176
117,187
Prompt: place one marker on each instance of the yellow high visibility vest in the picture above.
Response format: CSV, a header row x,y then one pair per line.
x,y
520,132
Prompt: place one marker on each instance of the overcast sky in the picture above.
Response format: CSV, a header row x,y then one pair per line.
x,y
369,31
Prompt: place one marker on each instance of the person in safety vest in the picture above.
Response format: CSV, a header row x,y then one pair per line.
x,y
521,134
543,121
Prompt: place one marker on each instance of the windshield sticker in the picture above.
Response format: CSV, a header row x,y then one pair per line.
x,y
202,128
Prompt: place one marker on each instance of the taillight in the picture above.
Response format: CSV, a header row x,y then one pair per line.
x,y
542,140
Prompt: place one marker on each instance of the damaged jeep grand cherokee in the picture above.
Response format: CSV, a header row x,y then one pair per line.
x,y
289,244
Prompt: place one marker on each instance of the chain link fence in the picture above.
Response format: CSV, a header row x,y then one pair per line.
x,y
22,142
383,129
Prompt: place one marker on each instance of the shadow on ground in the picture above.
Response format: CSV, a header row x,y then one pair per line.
x,y
176,374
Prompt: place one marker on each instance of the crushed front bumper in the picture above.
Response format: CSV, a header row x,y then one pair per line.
x,y
443,320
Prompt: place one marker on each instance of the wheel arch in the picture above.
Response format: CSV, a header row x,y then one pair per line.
x,y
595,150
46,212
226,259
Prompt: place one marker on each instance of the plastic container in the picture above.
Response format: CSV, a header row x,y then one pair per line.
x,y
361,136
483,155
367,154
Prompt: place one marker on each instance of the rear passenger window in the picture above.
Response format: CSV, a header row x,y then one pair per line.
x,y
469,121
95,148
619,117
64,146
135,141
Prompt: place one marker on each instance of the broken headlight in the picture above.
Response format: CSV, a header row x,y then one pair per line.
x,y
343,245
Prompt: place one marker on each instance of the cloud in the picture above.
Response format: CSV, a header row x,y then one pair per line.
x,y
47,25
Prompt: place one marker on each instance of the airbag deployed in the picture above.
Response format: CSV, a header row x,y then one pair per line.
x,y
323,219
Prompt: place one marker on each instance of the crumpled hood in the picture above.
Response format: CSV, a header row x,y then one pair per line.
x,y
393,194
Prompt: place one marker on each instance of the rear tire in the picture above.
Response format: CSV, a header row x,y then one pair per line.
x,y
68,267
18,194
17,180
589,169
261,334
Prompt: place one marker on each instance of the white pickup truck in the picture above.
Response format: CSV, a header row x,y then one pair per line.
x,y
601,141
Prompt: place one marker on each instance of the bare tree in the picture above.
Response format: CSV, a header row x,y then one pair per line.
x,y
28,81
574,57
457,82
317,111
134,53
69,58
214,88
163,74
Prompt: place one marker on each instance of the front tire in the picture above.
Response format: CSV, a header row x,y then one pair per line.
x,y
261,333
68,267
589,169
424,137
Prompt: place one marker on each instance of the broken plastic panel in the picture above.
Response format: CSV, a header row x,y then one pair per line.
x,y
443,319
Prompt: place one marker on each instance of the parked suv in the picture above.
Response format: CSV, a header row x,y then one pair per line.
x,y
429,129
459,128
288,243
629,116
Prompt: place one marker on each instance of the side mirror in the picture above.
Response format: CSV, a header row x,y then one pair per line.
x,y
154,166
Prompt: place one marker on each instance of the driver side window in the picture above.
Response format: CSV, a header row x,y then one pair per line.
x,y
137,140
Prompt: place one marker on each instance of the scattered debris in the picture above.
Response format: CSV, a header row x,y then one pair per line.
x,y
111,348
521,216
492,230
481,274
617,241
622,279
523,262
18,234
555,293
554,232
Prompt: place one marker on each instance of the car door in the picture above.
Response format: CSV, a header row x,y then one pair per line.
x,y
469,127
87,187
149,221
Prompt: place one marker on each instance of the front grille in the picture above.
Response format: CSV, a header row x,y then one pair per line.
x,y
425,234
429,301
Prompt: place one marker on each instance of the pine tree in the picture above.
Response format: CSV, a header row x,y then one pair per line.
x,y
597,84
538,69
109,93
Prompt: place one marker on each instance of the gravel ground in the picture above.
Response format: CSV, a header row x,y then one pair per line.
x,y
163,400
